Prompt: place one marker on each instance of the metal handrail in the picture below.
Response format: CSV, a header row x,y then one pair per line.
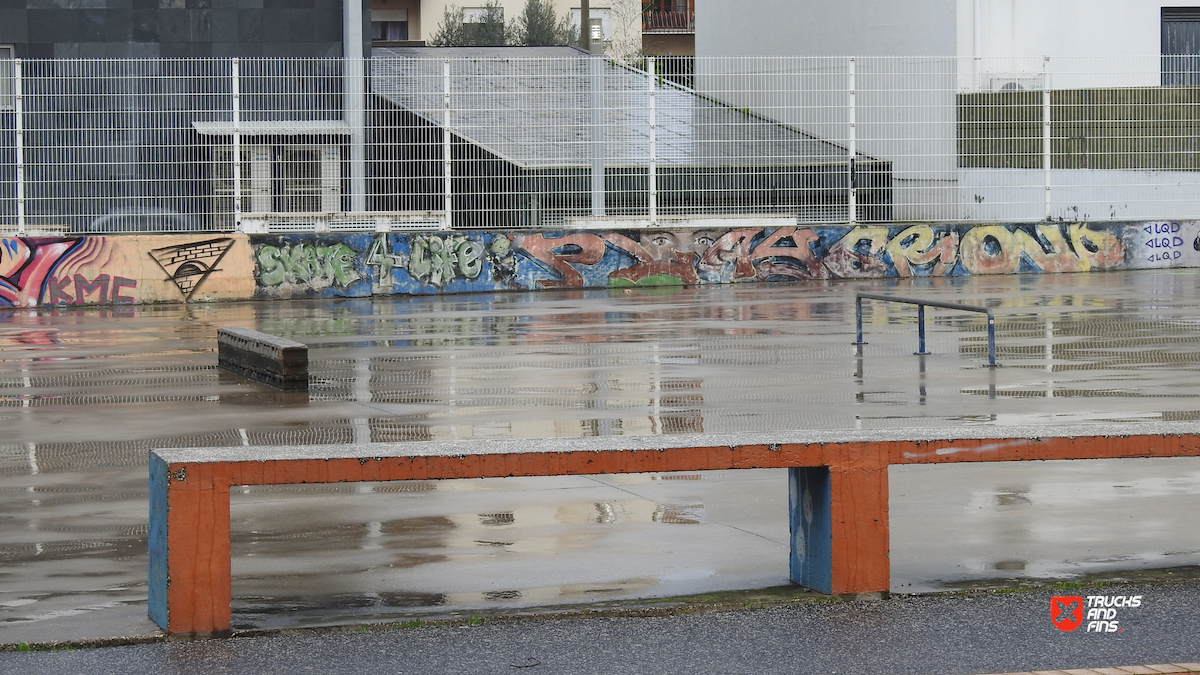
x,y
921,304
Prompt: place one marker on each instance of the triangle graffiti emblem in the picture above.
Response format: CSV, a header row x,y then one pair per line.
x,y
188,265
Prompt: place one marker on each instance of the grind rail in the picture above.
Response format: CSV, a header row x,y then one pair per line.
x,y
921,305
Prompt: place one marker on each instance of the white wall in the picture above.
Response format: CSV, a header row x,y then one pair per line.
x,y
1067,27
1007,195
823,28
1091,44
892,123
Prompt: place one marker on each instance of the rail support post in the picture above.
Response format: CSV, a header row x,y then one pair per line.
x,y
858,321
921,351
991,321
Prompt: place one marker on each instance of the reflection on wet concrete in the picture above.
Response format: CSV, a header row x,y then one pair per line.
x,y
85,394
1042,519
546,541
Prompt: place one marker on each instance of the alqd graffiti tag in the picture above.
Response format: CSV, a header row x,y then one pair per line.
x,y
188,265
26,264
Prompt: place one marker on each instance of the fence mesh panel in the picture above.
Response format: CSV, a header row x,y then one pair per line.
x,y
402,141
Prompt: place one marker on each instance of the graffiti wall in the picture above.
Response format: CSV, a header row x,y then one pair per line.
x,y
439,262
62,271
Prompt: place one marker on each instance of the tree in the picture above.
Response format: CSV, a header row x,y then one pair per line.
x,y
625,17
486,29
537,25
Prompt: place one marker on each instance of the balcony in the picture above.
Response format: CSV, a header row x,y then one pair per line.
x,y
669,22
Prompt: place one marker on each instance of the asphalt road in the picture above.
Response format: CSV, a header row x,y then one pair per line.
x,y
944,634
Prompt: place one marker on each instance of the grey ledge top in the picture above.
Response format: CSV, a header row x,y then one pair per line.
x,y
464,448
273,341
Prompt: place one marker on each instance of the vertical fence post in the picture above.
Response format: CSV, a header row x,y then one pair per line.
x,y
235,89
354,103
19,128
851,144
651,170
446,171
596,146
1046,155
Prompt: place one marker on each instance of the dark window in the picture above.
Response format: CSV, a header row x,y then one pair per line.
x,y
389,31
1180,46
6,77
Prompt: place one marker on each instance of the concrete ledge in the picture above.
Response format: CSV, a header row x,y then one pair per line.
x,y
838,489
923,445
278,362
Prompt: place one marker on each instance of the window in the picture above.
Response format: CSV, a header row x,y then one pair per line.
x,y
389,31
1180,46
492,14
281,179
7,74
389,25
598,17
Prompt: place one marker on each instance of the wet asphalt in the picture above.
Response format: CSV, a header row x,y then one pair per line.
x,y
946,634
85,393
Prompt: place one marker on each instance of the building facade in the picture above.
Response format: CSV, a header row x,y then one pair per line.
x,y
44,29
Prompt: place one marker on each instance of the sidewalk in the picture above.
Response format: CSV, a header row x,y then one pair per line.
x,y
945,634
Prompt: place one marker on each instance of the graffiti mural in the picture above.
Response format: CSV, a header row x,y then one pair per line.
x,y
188,265
97,270
298,265
790,253
71,271
27,266
306,264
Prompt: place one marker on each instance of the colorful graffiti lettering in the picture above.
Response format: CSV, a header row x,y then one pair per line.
x,y
79,290
315,266
1164,242
384,261
297,265
920,251
25,266
561,255
765,254
439,259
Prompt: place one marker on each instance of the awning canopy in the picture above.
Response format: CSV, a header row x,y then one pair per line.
x,y
275,128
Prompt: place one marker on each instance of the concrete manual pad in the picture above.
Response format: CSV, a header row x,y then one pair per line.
x,y
86,393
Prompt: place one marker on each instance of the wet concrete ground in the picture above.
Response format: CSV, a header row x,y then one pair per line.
x,y
84,394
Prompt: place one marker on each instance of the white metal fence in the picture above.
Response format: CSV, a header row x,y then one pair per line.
x,y
577,141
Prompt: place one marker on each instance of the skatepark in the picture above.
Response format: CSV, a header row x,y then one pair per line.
x,y
91,391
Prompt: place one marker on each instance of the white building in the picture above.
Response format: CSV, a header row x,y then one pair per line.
x,y
909,103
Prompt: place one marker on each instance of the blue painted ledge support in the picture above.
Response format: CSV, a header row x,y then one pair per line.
x,y
809,493
159,577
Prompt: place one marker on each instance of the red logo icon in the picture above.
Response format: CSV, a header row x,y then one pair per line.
x,y
1066,611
